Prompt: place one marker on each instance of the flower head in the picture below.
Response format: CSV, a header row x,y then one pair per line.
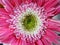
x,y
29,22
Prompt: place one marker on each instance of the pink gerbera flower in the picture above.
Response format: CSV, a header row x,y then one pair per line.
x,y
29,22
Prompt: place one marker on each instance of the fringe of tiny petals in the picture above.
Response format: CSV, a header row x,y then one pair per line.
x,y
18,13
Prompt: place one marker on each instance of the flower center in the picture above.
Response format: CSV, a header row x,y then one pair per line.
x,y
29,22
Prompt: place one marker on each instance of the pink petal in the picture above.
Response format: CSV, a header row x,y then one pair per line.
x,y
26,1
39,2
53,11
52,37
8,6
58,37
3,17
1,2
34,1
15,41
3,23
49,15
19,2
53,25
39,42
50,4
5,33
25,42
57,10
46,41
8,39
16,2
50,32
3,11
22,42
12,3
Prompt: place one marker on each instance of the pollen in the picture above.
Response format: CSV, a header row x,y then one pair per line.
x,y
29,22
